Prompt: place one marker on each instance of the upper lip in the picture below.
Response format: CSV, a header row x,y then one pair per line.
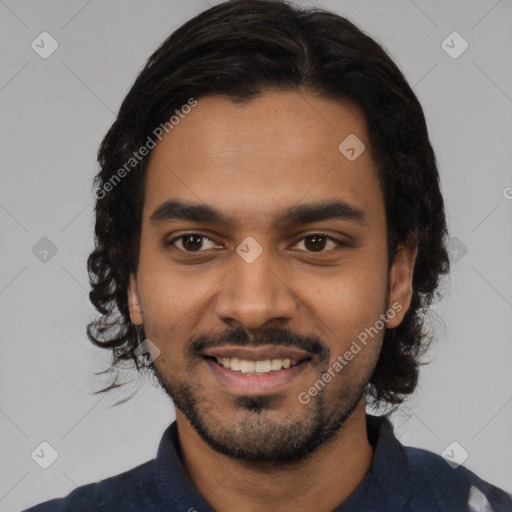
x,y
260,353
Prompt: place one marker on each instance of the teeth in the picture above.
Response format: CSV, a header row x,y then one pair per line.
x,y
246,366
276,364
263,366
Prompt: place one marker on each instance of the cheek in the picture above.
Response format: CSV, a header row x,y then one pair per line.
x,y
167,292
353,293
170,313
353,331
346,306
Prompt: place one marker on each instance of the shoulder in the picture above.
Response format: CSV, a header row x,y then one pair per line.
x,y
449,486
132,489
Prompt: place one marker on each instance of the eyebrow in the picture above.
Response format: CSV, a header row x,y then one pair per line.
x,y
299,214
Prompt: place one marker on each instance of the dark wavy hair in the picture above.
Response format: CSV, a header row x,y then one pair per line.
x,y
239,50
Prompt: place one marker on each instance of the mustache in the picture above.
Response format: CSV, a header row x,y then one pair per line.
x,y
267,336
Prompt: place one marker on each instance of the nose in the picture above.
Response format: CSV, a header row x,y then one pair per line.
x,y
253,294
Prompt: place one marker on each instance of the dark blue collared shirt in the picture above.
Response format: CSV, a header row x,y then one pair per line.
x,y
401,479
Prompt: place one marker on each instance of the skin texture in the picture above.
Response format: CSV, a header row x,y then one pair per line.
x,y
251,161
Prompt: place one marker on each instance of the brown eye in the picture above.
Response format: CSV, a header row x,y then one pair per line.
x,y
319,243
315,243
191,242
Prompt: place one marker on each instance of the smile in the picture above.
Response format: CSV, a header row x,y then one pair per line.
x,y
241,376
247,366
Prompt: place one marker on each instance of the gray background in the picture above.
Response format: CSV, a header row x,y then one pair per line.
x,y
55,112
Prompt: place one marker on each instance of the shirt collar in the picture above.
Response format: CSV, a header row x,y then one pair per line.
x,y
387,483
176,488
173,482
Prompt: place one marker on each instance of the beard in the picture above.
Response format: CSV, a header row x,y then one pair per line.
x,y
259,432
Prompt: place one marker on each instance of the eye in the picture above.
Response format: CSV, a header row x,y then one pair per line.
x,y
318,242
192,242
197,242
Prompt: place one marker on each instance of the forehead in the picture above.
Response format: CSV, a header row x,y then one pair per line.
x,y
255,157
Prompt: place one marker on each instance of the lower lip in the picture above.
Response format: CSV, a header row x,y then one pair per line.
x,y
241,383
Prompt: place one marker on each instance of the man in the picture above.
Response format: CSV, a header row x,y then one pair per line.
x,y
269,228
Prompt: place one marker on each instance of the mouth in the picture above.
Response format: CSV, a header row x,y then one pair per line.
x,y
250,367
257,370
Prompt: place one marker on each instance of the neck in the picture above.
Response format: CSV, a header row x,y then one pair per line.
x,y
321,482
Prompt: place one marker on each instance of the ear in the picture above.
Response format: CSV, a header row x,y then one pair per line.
x,y
400,280
134,301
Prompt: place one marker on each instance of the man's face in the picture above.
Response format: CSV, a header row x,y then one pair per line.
x,y
275,276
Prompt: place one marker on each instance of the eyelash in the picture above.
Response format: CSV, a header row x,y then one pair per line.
x,y
171,243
